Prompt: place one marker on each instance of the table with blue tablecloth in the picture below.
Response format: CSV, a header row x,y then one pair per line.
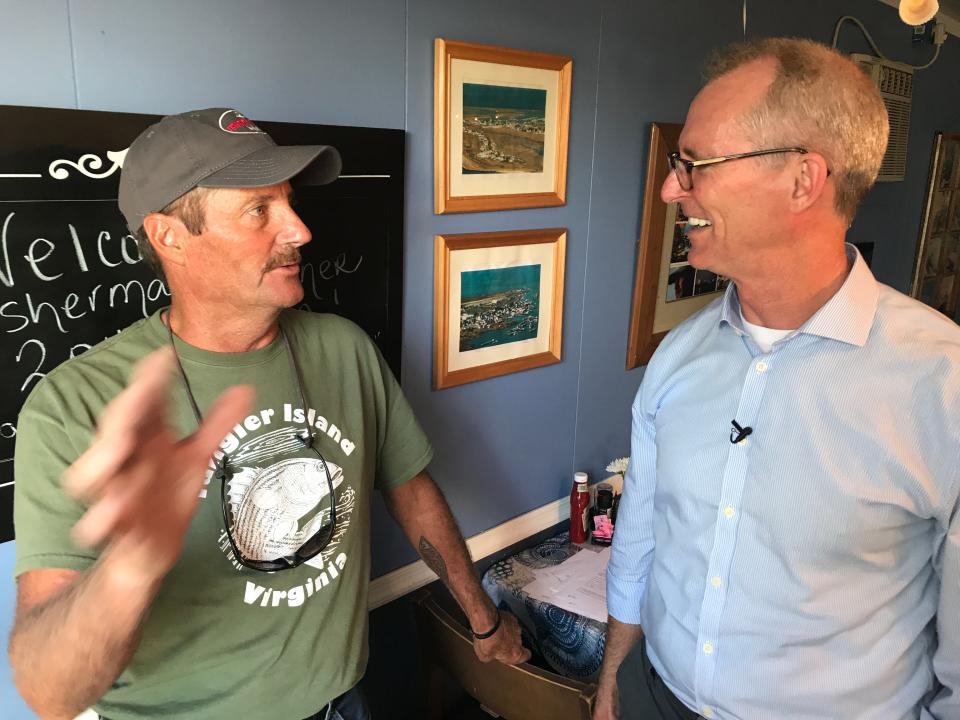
x,y
569,644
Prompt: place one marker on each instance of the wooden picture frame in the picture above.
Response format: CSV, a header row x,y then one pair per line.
x,y
498,303
666,289
509,150
936,267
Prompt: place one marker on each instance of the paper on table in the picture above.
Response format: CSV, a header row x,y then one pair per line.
x,y
578,584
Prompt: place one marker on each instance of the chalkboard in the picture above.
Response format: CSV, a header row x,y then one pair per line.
x,y
71,275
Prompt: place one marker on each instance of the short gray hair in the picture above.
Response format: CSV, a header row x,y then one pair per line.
x,y
190,209
820,100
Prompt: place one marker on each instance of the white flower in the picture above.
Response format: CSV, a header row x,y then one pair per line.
x,y
619,465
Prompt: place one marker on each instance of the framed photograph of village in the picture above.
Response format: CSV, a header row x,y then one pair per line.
x,y
501,121
498,303
667,289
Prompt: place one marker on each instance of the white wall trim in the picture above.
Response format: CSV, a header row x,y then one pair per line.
x,y
408,578
952,25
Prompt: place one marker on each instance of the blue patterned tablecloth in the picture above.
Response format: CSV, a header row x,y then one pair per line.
x,y
569,644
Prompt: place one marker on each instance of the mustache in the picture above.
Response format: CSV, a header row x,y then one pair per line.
x,y
291,257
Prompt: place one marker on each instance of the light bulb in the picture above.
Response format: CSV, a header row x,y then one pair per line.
x,y
918,12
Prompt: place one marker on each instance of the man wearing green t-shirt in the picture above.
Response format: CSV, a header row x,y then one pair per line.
x,y
207,553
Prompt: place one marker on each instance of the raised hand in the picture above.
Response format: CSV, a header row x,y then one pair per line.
x,y
141,481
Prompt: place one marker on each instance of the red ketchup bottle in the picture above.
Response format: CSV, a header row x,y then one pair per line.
x,y
579,507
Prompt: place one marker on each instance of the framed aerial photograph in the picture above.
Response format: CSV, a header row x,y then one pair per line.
x,y
666,288
498,303
501,122
936,271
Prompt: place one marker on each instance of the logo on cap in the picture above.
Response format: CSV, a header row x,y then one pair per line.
x,y
237,123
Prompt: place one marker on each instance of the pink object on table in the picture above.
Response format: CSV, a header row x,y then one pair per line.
x,y
603,529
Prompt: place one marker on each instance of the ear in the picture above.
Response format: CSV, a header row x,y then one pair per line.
x,y
166,235
809,182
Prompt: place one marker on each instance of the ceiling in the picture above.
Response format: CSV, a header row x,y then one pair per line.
x,y
951,8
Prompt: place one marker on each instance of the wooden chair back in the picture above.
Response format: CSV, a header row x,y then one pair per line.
x,y
514,692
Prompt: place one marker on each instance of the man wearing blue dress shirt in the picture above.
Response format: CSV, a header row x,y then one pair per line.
x,y
788,543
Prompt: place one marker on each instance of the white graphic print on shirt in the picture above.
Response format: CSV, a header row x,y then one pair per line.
x,y
278,500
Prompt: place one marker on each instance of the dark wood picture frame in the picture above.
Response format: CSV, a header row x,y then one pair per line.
x,y
936,268
642,340
666,288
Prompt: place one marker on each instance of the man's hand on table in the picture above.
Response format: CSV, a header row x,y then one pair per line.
x,y
504,645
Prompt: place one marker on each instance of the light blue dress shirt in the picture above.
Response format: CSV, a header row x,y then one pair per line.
x,y
813,570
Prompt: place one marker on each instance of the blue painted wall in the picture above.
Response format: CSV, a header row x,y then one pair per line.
x,y
509,444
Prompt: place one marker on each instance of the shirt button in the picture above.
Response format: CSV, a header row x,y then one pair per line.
x,y
761,366
706,711
716,581
707,648
729,511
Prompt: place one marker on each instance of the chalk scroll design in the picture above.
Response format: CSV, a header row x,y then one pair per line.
x,y
87,164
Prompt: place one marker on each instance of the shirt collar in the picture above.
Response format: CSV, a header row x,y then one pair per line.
x,y
847,316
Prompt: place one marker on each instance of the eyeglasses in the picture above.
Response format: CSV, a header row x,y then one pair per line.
x,y
310,548
683,168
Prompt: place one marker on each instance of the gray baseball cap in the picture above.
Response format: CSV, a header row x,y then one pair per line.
x,y
215,148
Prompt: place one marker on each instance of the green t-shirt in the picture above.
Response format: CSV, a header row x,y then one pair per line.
x,y
221,640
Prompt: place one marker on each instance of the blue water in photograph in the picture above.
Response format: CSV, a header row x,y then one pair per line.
x,y
532,100
499,306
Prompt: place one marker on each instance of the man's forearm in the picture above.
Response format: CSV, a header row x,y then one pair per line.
x,y
621,638
421,510
68,650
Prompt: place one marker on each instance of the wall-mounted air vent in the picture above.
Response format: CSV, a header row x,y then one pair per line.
x,y
895,81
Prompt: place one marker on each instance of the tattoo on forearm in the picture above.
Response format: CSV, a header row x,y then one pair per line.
x,y
431,556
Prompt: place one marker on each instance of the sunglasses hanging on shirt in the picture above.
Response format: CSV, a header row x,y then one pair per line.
x,y
223,472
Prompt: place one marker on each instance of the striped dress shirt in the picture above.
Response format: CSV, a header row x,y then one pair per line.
x,y
812,570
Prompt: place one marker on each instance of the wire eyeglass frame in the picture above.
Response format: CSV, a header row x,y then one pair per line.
x,y
683,168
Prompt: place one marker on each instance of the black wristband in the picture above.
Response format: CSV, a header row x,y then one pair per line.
x,y
490,632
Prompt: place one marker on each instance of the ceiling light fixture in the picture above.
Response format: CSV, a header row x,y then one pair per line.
x,y
918,12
